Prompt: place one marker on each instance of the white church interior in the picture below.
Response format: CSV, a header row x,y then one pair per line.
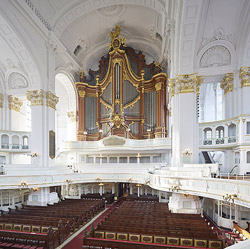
x,y
124,124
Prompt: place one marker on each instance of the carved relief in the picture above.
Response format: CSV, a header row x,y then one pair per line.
x,y
111,11
15,103
188,83
17,81
227,83
35,97
171,87
51,100
216,56
1,100
245,76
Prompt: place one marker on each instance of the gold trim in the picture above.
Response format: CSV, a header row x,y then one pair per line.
x,y
159,237
187,83
173,243
245,76
171,87
183,244
15,103
227,83
158,86
200,240
35,97
82,93
132,103
106,104
147,236
51,100
215,247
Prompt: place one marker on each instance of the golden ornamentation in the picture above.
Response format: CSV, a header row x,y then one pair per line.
x,y
132,103
15,103
158,64
227,83
105,104
72,115
245,76
35,97
243,120
142,74
1,100
81,93
198,84
51,100
158,86
187,83
116,42
97,79
171,87
82,75
117,121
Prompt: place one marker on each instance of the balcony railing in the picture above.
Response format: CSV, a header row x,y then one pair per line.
x,y
207,142
220,141
232,139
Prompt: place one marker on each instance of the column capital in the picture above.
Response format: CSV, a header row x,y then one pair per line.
x,y
51,100
1,100
81,93
188,83
227,83
15,103
245,76
171,87
35,97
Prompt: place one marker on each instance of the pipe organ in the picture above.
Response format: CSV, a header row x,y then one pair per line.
x,y
125,97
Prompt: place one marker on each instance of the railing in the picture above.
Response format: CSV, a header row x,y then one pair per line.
x,y
207,142
220,141
14,147
234,176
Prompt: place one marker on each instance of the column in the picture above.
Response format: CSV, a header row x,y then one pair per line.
x,y
1,113
141,92
43,126
81,132
245,89
227,85
113,188
185,140
130,189
160,88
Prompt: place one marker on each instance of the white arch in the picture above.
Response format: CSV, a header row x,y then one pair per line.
x,y
92,5
21,52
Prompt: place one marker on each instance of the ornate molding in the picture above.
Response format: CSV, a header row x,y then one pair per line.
x,y
17,81
35,97
51,100
227,83
1,100
158,86
81,93
72,115
15,103
245,76
171,87
188,83
215,56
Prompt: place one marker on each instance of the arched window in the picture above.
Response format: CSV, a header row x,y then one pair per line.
x,y
5,142
25,142
207,136
15,142
219,135
232,133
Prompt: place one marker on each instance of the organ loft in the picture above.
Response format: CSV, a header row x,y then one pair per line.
x,y
124,97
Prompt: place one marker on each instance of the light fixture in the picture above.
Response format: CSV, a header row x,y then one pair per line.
x,y
138,185
101,131
85,133
34,154
68,181
148,130
229,197
174,188
187,152
100,184
23,185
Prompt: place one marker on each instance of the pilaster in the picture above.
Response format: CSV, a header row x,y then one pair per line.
x,y
42,126
184,91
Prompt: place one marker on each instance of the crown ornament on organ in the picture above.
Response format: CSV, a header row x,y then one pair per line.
x,y
116,42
